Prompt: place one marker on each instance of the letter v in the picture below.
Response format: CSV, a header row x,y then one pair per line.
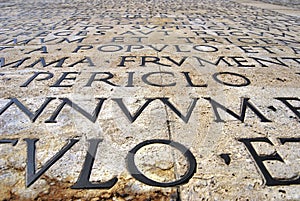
x,y
177,112
131,117
31,174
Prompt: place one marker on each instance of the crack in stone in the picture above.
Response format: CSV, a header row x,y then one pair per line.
x,y
176,173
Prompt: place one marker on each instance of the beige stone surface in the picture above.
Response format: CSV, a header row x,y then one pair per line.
x,y
284,7
172,70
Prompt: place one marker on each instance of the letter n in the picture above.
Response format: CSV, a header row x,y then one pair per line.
x,y
65,101
27,112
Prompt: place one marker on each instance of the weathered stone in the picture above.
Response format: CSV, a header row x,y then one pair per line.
x,y
202,93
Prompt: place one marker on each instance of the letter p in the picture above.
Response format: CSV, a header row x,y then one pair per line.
x,y
37,74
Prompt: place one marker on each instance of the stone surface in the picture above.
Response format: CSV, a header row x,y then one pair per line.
x,y
219,77
288,3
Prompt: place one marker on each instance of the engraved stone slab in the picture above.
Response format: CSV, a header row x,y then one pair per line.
x,y
149,100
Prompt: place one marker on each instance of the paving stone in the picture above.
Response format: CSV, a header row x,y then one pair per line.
x,y
149,100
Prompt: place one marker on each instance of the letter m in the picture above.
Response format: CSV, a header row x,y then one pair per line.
x,y
14,64
79,40
245,103
41,60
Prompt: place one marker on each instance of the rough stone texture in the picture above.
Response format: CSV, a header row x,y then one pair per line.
x,y
289,3
230,50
